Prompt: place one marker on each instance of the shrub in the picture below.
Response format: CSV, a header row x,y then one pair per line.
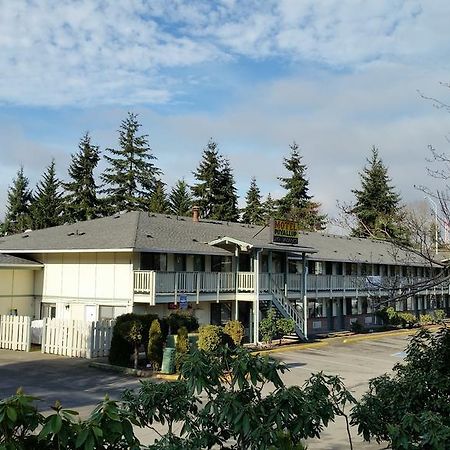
x,y
356,327
439,315
235,330
176,320
155,345
285,326
181,347
210,338
408,320
425,319
268,327
131,331
121,349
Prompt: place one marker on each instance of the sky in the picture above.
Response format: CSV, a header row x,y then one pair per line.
x,y
337,77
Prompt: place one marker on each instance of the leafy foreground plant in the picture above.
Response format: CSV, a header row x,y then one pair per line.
x,y
411,408
219,401
107,427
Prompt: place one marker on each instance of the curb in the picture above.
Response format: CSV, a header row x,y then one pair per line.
x,y
123,370
380,335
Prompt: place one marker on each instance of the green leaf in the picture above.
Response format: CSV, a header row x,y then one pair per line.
x,y
11,413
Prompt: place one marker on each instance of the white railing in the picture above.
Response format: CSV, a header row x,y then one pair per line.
x,y
287,308
15,333
151,282
246,282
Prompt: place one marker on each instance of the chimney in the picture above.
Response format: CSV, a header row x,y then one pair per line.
x,y
195,214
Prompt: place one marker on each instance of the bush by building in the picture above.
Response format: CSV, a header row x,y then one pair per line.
x,y
235,330
155,345
210,338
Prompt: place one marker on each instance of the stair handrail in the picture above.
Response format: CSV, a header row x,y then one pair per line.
x,y
286,304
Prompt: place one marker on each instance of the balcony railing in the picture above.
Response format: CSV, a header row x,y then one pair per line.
x,y
153,283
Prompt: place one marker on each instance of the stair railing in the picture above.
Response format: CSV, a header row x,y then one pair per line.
x,y
287,308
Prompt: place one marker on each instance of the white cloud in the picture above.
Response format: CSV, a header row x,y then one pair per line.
x,y
86,52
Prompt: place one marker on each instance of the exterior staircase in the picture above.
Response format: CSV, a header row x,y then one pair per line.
x,y
287,309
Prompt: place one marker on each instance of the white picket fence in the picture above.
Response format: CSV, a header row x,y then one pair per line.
x,y
77,338
15,333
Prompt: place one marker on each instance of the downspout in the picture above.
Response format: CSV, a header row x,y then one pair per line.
x,y
256,302
305,300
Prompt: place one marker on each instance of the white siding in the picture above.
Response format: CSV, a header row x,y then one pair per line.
x,y
17,291
79,279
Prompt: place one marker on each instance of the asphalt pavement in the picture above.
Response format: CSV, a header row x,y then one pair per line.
x,y
79,386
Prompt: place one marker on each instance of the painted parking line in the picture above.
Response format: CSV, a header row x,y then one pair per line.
x,y
399,355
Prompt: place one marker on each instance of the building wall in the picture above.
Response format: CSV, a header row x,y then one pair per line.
x,y
17,291
79,283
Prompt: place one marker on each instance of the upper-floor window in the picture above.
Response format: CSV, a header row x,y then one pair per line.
x,y
221,263
328,268
179,263
154,261
199,263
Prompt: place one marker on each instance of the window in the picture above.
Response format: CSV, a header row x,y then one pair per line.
x,y
376,270
220,313
199,263
106,312
295,266
328,267
221,263
154,261
315,308
110,312
339,268
179,263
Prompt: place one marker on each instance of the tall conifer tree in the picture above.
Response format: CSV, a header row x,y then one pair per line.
x,y
269,208
180,199
227,208
215,191
377,208
17,217
297,204
47,207
158,200
131,177
254,211
81,201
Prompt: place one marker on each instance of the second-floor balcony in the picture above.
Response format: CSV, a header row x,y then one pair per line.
x,y
154,282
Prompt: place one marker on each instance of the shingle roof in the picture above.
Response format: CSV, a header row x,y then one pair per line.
x,y
14,261
140,231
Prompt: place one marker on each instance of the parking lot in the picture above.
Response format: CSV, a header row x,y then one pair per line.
x,y
79,386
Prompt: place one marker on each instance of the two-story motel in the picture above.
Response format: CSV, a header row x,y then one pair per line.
x,y
219,271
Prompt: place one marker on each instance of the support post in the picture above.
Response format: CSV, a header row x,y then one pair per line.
x,y
256,302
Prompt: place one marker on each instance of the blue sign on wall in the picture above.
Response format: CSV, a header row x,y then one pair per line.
x,y
183,302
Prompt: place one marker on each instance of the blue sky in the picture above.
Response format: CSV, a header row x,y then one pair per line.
x,y
335,76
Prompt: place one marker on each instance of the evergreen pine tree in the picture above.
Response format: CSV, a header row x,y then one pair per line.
x,y
17,217
297,204
48,205
81,201
180,199
158,200
253,212
215,192
377,209
227,206
269,209
131,177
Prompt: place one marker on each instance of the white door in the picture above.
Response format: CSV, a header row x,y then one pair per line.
x,y
90,313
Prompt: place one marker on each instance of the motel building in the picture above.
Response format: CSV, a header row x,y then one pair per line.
x,y
218,271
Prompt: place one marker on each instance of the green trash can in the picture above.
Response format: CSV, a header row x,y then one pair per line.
x,y
168,362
